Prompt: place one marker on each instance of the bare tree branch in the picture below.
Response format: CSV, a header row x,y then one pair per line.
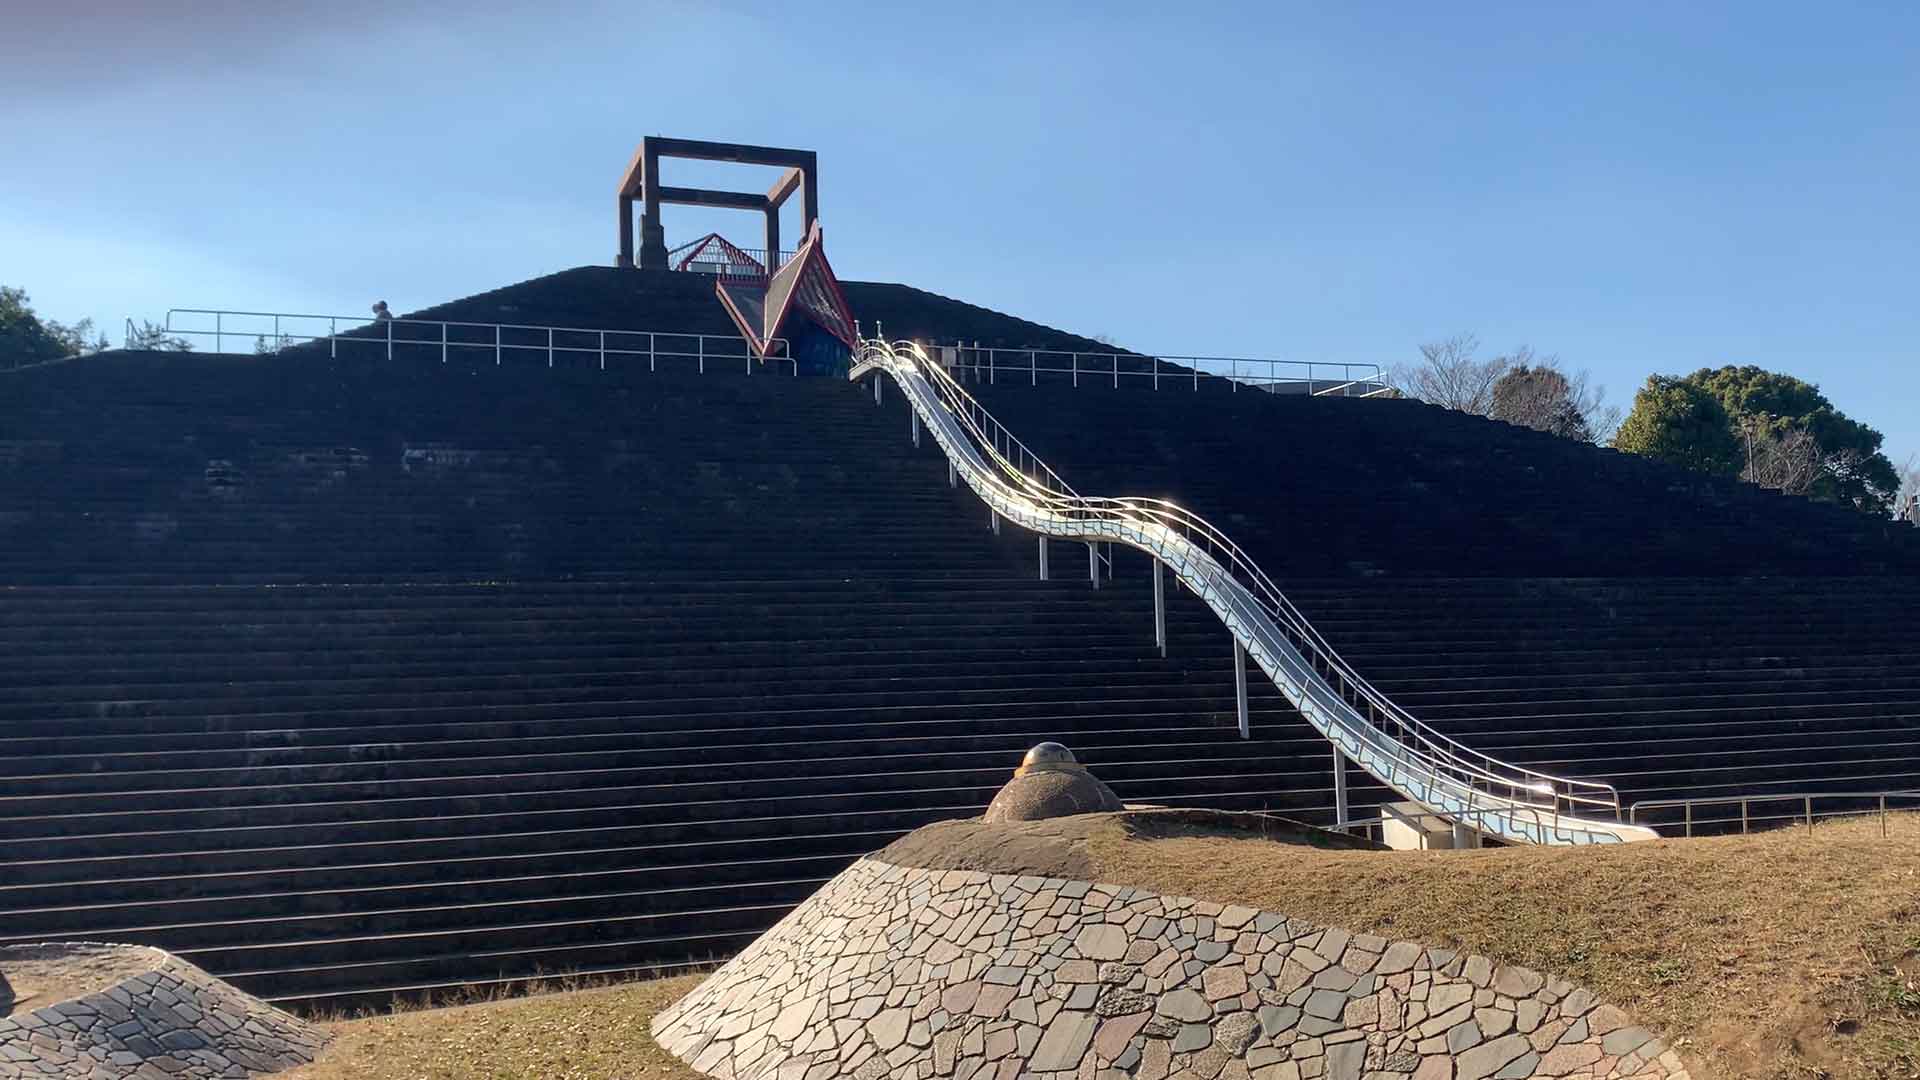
x,y
1906,503
1449,375
1781,458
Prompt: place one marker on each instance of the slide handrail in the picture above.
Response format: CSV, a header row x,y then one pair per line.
x,y
1505,800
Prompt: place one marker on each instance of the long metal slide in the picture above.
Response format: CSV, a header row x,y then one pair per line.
x,y
1496,798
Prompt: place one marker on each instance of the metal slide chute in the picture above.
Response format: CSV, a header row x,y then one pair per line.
x,y
1499,799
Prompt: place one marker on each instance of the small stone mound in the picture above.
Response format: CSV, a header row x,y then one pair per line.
x,y
1051,783
128,1012
924,974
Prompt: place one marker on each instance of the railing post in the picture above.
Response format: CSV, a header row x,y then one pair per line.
x,y
219,334
1093,564
549,347
496,344
1240,689
1743,817
1159,608
1076,369
1156,371
389,339
276,333
993,519
701,348
1341,813
1033,368
1043,557
876,388
652,353
1116,371
953,474
1463,835
992,370
1809,815
1689,817
333,339
443,343
1883,815
913,423
603,350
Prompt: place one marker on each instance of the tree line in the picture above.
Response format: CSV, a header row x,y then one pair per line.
x,y
1739,421
27,339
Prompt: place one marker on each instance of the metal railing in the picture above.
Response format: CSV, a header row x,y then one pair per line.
x,y
989,366
1374,828
705,256
1506,800
1776,811
273,332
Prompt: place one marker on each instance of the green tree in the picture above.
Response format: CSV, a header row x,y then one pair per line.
x,y
148,337
1767,407
1537,393
25,338
1677,421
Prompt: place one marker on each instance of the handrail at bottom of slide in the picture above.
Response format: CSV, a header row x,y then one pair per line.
x,y
1420,764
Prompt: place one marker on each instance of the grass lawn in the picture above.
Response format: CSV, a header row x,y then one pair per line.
x,y
1781,955
598,1034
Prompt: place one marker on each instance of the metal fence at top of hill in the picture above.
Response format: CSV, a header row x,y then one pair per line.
x,y
269,332
986,365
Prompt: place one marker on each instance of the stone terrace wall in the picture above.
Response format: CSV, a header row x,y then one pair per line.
x,y
896,972
173,1021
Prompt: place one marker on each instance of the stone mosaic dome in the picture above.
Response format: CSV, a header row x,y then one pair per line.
x,y
1051,783
929,974
108,1012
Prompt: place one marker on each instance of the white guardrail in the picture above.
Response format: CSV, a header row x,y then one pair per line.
x,y
1755,812
274,331
990,366
1503,800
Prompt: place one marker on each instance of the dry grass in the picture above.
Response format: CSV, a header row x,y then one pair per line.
x,y
598,1034
1776,955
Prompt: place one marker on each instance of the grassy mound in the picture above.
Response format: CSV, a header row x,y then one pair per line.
x,y
598,1034
1779,955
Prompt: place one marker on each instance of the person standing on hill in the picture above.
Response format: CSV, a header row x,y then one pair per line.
x,y
380,312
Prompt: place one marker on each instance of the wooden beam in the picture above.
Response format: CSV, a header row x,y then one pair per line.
x,y
732,200
784,187
635,177
701,150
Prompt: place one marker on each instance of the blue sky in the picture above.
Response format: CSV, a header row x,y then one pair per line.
x,y
1637,188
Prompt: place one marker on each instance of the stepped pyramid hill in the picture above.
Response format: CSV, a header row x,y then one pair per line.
x,y
339,674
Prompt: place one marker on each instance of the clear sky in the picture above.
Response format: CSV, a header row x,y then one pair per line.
x,y
1637,188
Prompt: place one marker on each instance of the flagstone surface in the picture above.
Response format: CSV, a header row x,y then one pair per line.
x,y
169,1020
891,971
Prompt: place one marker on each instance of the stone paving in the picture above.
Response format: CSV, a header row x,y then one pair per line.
x,y
172,1021
899,972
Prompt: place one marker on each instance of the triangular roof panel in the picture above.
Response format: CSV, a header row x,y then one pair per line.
x,y
806,281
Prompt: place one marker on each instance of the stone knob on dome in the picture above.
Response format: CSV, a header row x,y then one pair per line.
x,y
1050,783
1044,754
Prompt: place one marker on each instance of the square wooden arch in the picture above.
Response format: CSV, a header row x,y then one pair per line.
x,y
642,181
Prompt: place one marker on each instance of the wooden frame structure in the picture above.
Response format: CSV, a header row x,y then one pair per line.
x,y
642,181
